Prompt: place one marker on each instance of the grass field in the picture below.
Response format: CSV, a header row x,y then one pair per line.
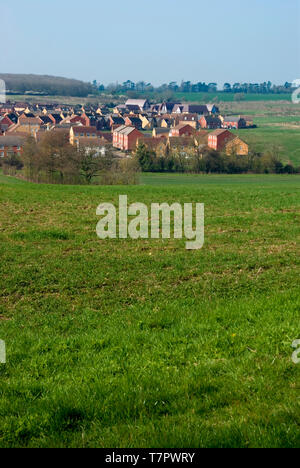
x,y
124,343
287,140
230,97
278,125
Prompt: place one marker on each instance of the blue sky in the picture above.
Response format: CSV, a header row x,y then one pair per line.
x,y
157,41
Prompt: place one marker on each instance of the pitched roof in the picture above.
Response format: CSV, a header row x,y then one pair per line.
x,y
219,131
211,119
11,140
232,118
159,130
45,119
116,119
29,120
182,125
125,129
136,102
82,129
195,108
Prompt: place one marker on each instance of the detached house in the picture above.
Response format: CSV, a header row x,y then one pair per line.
x,y
182,130
115,121
134,122
80,132
191,109
234,122
167,107
210,122
191,119
125,137
26,125
223,140
138,105
90,139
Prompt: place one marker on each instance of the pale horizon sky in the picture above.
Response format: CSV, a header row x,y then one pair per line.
x,y
157,42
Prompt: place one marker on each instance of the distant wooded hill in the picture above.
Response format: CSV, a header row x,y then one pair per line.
x,y
45,85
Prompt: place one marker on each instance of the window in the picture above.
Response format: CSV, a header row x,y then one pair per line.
x,y
2,154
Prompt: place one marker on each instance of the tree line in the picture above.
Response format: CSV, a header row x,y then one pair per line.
x,y
200,87
46,85
54,160
52,86
205,160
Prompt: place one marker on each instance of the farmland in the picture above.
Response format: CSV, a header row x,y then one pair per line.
x,y
278,127
124,343
229,97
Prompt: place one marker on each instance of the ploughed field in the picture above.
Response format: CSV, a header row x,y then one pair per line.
x,y
142,343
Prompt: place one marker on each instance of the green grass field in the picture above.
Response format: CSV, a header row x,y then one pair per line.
x,y
278,125
287,140
230,97
123,343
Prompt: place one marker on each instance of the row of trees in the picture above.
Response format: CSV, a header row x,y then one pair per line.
x,y
51,85
189,87
54,160
193,160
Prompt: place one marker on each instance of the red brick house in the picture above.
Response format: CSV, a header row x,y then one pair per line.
x,y
115,121
11,145
182,130
125,137
133,121
5,123
83,119
223,140
218,139
234,122
56,118
210,122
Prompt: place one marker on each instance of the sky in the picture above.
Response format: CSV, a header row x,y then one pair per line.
x,y
157,41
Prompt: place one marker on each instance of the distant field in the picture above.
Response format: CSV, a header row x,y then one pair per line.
x,y
278,125
286,139
229,97
192,97
221,180
123,343
55,99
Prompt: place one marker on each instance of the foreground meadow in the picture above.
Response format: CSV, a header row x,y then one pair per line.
x,y
124,343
